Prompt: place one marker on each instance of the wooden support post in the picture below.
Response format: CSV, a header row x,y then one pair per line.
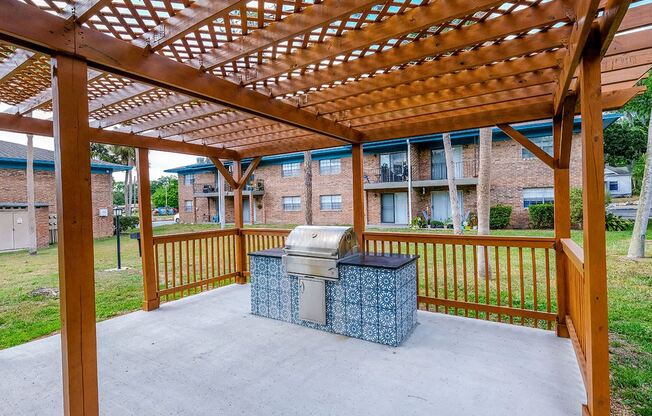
x,y
562,227
150,278
75,233
595,265
358,193
240,255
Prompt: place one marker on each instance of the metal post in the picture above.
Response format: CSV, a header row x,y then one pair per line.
x,y
117,239
409,166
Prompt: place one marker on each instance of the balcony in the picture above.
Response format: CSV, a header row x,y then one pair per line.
x,y
254,187
385,177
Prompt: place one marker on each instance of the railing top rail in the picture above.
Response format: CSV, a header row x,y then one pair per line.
x,y
169,238
477,240
265,231
574,252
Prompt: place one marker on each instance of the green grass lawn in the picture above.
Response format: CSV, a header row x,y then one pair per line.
x,y
25,316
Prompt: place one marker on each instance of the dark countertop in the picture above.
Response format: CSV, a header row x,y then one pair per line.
x,y
386,261
271,252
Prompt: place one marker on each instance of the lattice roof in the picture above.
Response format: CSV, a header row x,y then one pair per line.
x,y
379,69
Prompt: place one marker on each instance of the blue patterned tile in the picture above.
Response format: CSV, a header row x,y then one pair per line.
x,y
369,315
386,300
369,297
274,311
263,309
338,325
286,314
386,281
274,298
339,310
370,332
369,277
387,317
339,292
354,329
353,295
274,267
387,335
353,312
285,285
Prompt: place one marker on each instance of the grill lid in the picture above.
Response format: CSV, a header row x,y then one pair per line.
x,y
321,241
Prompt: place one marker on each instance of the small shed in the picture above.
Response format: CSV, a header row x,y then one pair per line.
x,y
618,180
14,225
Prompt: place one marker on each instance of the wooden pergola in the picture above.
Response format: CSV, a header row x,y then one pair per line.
x,y
233,79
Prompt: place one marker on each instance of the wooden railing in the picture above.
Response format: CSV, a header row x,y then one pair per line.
x,y
518,289
256,239
190,263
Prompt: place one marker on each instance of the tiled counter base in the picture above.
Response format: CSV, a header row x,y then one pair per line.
x,y
375,298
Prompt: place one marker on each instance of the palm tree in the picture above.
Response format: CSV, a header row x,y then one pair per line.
x,y
483,188
637,243
122,155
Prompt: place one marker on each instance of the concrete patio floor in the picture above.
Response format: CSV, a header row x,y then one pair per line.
x,y
206,355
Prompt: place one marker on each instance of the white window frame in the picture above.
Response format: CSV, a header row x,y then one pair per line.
x,y
330,202
291,170
187,205
291,203
189,179
536,196
330,166
545,143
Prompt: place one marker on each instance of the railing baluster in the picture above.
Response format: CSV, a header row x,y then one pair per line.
x,y
520,266
509,282
466,287
498,294
548,307
534,284
454,247
475,278
445,269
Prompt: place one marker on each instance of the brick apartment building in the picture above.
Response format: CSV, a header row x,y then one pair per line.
x,y
403,178
13,195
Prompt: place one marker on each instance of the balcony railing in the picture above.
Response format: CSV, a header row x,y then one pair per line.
x,y
438,171
204,188
211,188
463,169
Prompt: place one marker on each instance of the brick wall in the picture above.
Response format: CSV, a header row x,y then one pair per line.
x,y
42,230
14,189
510,175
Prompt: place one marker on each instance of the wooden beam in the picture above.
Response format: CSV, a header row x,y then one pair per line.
x,y
248,134
566,134
452,40
75,233
250,169
196,111
585,11
485,55
240,246
225,172
151,300
296,24
595,267
357,172
82,10
16,61
614,100
142,110
610,21
518,137
189,19
228,128
24,25
39,127
561,180
206,127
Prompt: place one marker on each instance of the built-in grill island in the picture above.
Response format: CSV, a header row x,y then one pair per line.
x,y
322,281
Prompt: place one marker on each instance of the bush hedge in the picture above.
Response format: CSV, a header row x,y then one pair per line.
x,y
542,216
128,222
499,216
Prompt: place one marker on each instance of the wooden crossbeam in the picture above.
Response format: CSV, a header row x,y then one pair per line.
x,y
228,128
610,21
465,60
294,25
183,114
566,136
247,133
140,111
250,170
187,20
82,10
225,172
453,40
203,127
585,10
119,95
392,27
15,62
24,25
520,138
40,127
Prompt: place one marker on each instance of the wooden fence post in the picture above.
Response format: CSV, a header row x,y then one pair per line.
x,y
595,265
358,193
240,255
75,234
150,277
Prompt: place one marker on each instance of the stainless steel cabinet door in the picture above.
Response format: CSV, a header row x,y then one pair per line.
x,y
312,300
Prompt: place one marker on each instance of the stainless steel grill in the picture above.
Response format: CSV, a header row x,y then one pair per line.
x,y
313,251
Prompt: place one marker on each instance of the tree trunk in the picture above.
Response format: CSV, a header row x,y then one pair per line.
x,y
125,190
222,213
307,177
483,188
637,243
31,208
452,187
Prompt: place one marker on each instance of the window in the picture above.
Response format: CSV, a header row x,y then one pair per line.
x,y
330,202
187,206
291,169
534,196
330,166
393,167
291,203
613,185
545,143
188,179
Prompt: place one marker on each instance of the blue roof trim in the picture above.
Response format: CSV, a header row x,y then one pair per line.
x,y
532,131
46,165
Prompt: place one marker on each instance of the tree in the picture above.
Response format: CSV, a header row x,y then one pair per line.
x,y
483,190
307,181
31,208
637,243
124,156
166,193
624,142
118,193
452,187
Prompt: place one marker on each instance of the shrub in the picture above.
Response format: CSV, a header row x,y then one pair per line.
x,y
128,222
542,216
576,207
616,223
499,216
418,222
436,224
